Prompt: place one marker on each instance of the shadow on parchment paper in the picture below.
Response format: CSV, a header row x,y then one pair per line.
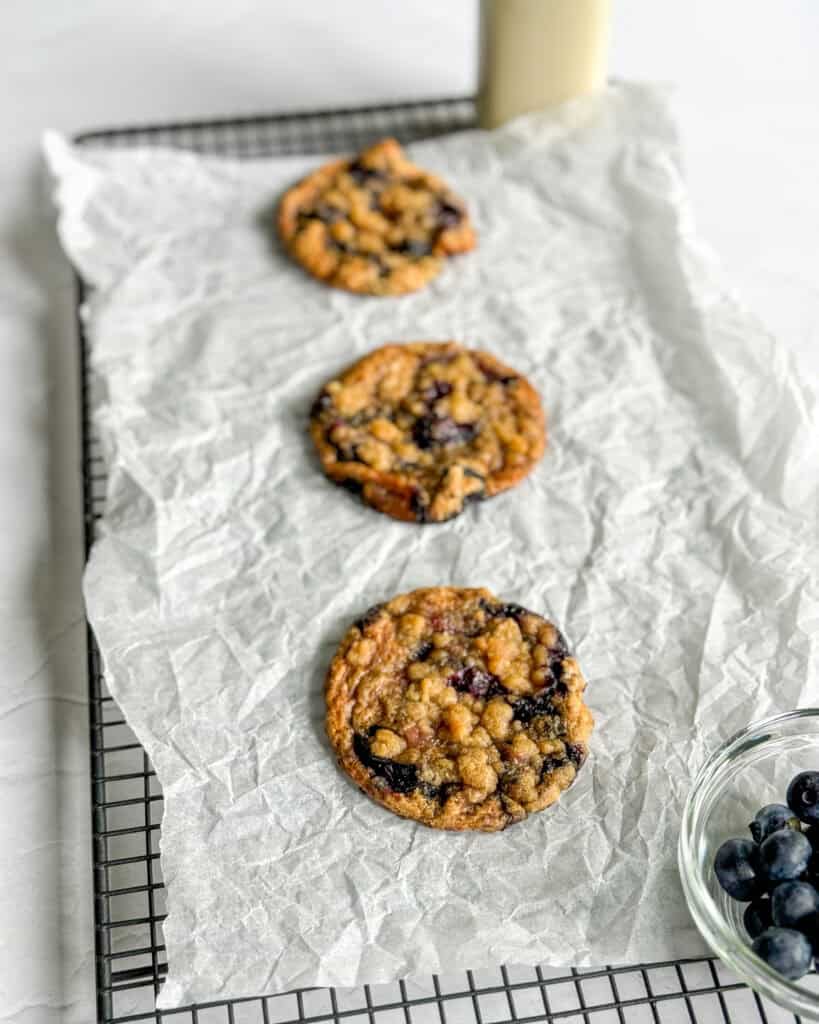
x,y
61,910
266,221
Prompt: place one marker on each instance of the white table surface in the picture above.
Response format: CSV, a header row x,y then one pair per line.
x,y
748,98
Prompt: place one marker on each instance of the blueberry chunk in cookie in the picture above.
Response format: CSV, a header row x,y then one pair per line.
x,y
376,224
422,429
447,710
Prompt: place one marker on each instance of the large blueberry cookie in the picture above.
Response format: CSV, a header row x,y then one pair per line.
x,y
375,224
421,429
455,709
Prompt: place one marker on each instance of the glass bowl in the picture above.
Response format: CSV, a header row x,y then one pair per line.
x,y
752,769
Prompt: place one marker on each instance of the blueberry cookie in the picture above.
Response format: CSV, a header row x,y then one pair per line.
x,y
421,429
375,224
455,709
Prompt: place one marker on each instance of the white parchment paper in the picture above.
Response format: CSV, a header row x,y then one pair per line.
x,y
671,530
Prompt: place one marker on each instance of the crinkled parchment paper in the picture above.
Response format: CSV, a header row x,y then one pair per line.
x,y
671,530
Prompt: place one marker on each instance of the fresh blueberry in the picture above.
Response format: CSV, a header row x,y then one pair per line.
x,y
737,869
795,905
772,818
812,832
475,681
757,916
787,951
784,855
803,797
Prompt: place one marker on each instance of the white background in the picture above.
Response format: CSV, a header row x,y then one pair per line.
x,y
747,78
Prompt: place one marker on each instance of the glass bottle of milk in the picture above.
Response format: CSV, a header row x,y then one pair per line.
x,y
538,52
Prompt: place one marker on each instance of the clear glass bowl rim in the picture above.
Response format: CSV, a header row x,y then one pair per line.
x,y
710,921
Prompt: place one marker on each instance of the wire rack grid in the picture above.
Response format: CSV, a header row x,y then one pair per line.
x,y
127,800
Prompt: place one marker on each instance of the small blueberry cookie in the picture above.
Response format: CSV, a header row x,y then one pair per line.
x,y
457,710
374,224
423,428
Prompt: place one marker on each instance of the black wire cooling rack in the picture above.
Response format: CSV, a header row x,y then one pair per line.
x,y
129,896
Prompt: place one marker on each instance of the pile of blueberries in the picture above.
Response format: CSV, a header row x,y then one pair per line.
x,y
777,874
